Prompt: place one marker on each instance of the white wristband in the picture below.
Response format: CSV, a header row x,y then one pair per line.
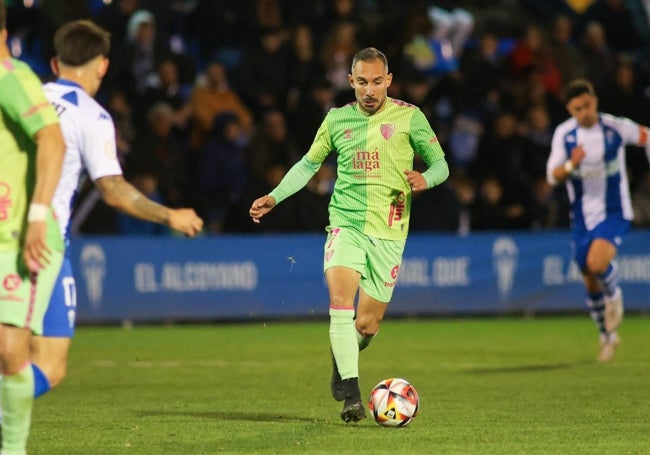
x,y
37,212
569,167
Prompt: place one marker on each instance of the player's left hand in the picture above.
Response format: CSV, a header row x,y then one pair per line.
x,y
35,250
415,180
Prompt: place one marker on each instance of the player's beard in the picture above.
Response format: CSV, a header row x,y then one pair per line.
x,y
376,106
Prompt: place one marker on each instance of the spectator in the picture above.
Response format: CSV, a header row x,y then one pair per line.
x,y
597,55
166,88
263,75
563,51
222,171
271,145
211,97
159,150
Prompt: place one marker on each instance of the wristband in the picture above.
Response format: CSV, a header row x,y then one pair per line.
x,y
37,212
569,167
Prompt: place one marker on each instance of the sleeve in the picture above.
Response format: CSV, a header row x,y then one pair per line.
x,y
436,173
98,148
303,170
322,145
23,100
635,134
557,156
297,177
425,143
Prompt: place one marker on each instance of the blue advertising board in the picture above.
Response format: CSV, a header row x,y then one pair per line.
x,y
257,277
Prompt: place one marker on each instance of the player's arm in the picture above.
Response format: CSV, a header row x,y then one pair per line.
x,y
122,196
294,180
635,134
558,167
297,177
23,101
50,149
426,144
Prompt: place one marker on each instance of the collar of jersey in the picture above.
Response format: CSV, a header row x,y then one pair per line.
x,y
67,82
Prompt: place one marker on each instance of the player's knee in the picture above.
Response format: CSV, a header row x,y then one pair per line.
x,y
368,326
596,265
57,375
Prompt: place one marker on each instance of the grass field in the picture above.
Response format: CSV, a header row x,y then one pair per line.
x,y
487,386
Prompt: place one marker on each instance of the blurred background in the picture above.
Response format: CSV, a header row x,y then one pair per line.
x,y
214,100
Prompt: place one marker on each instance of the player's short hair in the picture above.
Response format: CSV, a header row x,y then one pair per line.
x,y
78,42
369,54
3,15
576,88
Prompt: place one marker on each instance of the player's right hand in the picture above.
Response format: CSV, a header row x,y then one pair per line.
x,y
261,206
35,250
185,221
577,155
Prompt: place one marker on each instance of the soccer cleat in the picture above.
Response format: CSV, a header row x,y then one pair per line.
x,y
614,311
336,385
608,344
353,409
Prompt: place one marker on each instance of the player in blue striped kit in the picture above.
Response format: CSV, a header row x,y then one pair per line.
x,y
588,154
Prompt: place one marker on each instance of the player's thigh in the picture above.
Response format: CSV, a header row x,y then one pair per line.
x,y
50,354
24,297
601,252
342,283
607,237
384,261
344,263
59,320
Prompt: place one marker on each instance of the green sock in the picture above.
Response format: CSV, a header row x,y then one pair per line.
x,y
344,342
363,341
16,399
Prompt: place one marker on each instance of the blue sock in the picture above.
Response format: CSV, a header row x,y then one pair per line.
x,y
596,304
41,383
609,280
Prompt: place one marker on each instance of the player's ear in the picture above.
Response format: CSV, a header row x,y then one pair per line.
x,y
54,66
103,67
389,79
350,80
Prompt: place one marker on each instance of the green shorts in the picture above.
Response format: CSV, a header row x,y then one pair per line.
x,y
377,260
23,300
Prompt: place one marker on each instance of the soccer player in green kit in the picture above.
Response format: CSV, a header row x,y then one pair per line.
x,y
375,139
31,247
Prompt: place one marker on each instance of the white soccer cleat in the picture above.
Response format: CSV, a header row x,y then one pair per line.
x,y
608,344
614,311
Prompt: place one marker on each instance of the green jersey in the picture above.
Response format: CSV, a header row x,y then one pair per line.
x,y
24,110
372,194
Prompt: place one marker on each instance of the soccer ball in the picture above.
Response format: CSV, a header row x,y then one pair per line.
x,y
394,402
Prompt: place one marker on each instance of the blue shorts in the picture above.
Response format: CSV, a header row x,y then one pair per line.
x,y
613,229
60,316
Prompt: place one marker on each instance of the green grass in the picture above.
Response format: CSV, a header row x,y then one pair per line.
x,y
487,386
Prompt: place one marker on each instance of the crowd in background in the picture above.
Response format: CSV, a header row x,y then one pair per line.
x,y
213,101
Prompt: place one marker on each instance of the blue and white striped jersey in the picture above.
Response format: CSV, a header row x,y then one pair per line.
x,y
89,135
599,187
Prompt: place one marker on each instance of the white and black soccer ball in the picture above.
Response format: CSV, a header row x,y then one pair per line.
x,y
394,402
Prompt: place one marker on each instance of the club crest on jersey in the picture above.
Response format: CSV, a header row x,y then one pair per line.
x,y
387,130
347,134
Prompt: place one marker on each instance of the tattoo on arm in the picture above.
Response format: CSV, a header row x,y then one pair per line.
x,y
121,195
